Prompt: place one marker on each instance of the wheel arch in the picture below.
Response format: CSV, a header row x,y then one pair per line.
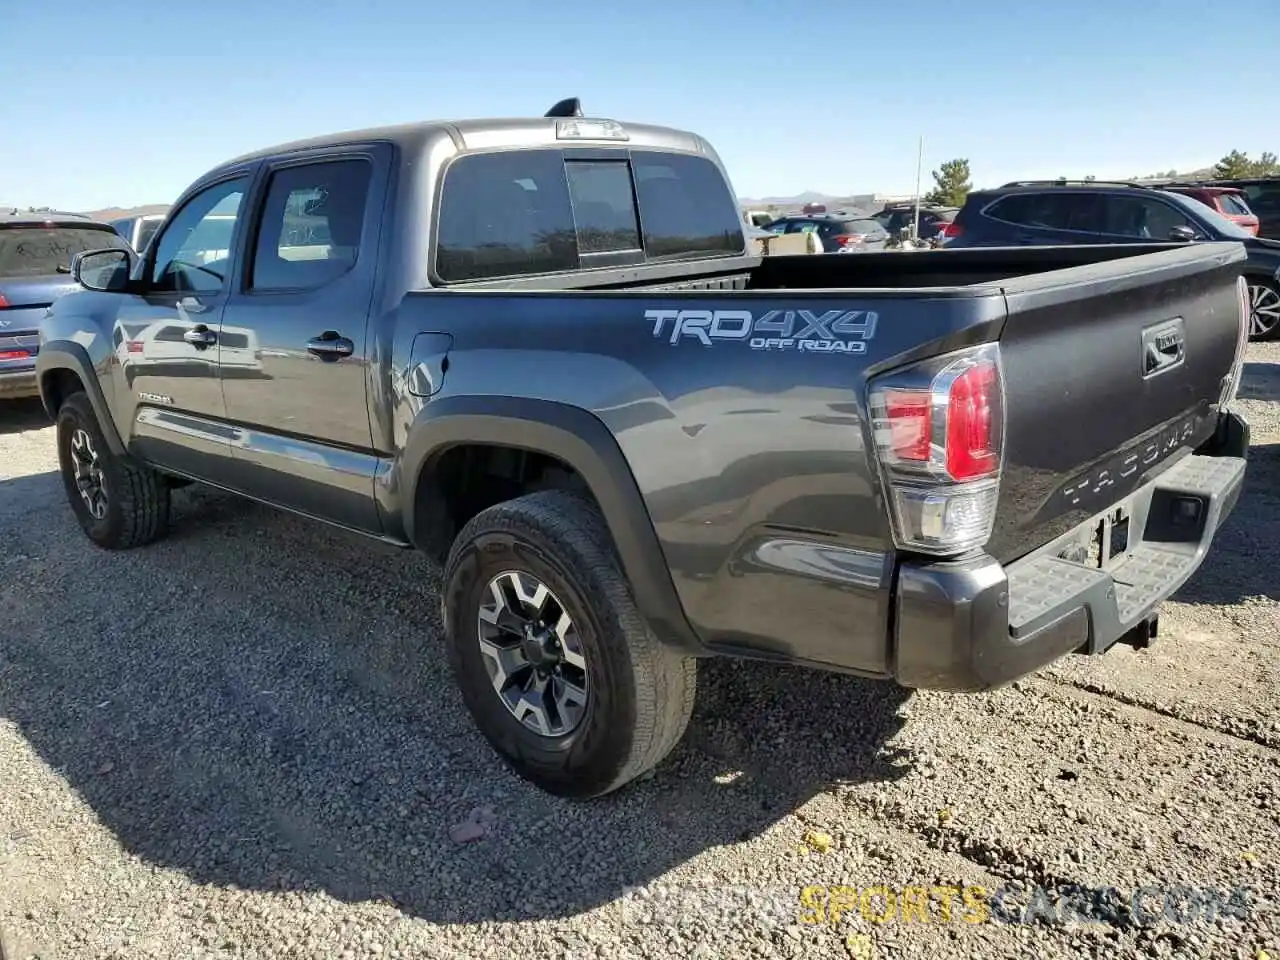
x,y
61,366
581,441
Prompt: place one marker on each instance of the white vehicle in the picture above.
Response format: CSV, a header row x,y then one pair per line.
x,y
138,231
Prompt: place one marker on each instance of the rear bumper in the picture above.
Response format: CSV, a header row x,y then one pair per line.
x,y
976,624
19,383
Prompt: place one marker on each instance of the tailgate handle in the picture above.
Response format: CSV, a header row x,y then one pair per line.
x,y
1164,346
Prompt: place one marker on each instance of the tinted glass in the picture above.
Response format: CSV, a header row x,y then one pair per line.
x,y
38,251
146,232
512,213
311,225
505,214
861,226
193,254
1052,210
604,209
1263,198
1144,217
1233,204
685,206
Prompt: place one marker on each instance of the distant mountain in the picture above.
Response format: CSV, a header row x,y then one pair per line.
x,y
799,200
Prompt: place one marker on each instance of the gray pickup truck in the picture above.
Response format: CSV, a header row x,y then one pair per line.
x,y
537,349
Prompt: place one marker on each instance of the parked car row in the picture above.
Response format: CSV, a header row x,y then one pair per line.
x,y
1056,212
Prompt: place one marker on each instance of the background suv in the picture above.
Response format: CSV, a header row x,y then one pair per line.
x,y
1263,196
1056,212
934,221
1228,201
840,233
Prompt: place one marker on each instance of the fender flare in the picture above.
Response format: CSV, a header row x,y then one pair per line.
x,y
69,355
581,440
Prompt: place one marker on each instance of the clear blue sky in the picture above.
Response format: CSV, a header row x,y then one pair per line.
x,y
125,103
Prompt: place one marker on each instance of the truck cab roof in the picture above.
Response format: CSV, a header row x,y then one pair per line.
x,y
493,133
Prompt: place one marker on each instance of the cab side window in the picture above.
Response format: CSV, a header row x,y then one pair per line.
x,y
1148,218
311,225
193,255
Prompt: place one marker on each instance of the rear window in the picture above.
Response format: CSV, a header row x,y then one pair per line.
x,y
528,212
1233,204
861,226
38,251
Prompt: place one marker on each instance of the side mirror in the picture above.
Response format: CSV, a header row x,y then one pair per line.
x,y
106,271
1182,234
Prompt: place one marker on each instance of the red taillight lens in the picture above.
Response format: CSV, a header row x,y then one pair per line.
x,y
948,230
3,302
971,448
14,354
910,433
939,432
849,239
134,346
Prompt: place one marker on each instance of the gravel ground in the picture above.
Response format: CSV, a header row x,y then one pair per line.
x,y
244,742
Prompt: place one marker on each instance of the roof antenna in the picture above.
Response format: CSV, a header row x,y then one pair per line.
x,y
568,107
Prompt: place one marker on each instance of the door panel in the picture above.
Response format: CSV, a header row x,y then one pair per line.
x,y
294,353
166,340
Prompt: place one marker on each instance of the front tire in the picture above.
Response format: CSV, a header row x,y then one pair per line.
x,y
119,504
1264,309
558,669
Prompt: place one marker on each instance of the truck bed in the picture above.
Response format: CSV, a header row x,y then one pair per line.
x,y
1069,321
887,271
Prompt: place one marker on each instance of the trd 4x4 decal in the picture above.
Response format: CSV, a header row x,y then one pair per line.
x,y
807,331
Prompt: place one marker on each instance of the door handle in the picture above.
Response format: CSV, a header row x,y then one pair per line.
x,y
200,337
330,346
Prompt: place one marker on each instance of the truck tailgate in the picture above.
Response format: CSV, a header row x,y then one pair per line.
x,y
1111,373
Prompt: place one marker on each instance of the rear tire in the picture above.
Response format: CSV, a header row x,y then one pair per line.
x,y
1264,309
629,695
120,504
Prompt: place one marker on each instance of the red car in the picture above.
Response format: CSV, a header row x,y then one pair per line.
x,y
1227,201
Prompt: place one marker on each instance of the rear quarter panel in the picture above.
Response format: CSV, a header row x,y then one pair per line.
x,y
733,448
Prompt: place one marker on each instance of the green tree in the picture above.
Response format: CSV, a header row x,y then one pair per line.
x,y
1266,165
1234,164
951,184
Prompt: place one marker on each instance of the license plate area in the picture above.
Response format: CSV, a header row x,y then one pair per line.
x,y
1109,541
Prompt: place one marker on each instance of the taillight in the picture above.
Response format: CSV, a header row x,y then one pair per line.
x,y
3,302
948,230
133,346
14,354
849,239
1232,384
939,432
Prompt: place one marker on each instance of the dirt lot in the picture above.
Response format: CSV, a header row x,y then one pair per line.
x,y
244,742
